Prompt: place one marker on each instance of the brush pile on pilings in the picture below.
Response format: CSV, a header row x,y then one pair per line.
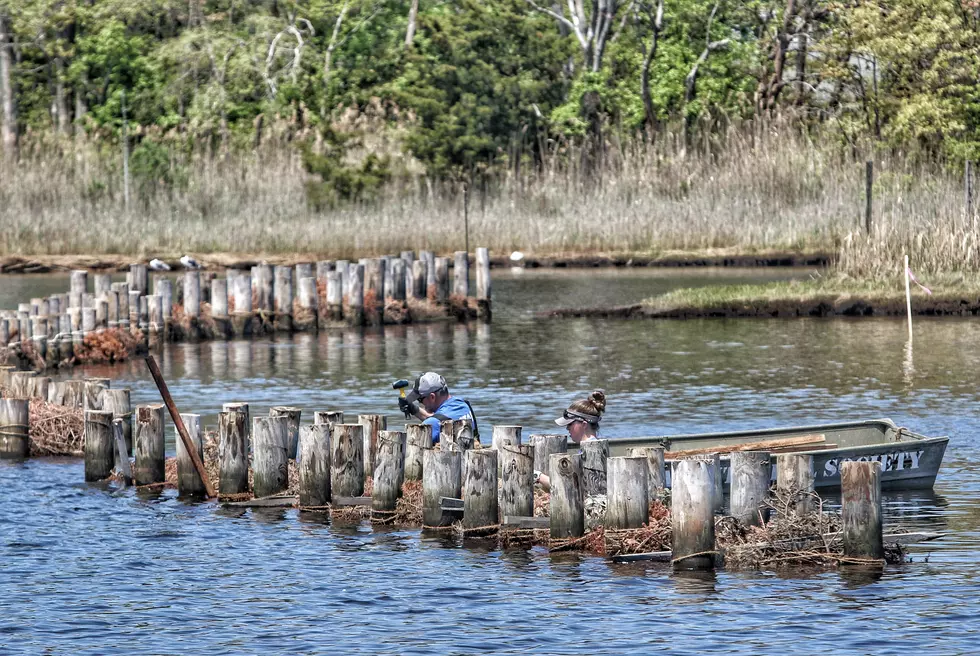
x,y
121,319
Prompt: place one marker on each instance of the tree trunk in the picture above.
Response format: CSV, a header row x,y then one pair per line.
x,y
413,13
8,113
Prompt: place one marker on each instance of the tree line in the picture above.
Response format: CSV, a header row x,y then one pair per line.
x,y
482,84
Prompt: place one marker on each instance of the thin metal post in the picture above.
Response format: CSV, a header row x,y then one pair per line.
x,y
125,146
868,183
466,215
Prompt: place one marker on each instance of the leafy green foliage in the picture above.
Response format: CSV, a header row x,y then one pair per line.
x,y
339,181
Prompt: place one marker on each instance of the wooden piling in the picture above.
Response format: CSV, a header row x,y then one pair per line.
x,y
794,482
373,424
238,406
343,268
628,493
861,509
192,294
102,283
347,460
480,504
389,473
374,289
656,472
751,472
304,270
138,278
328,417
283,297
335,298
99,445
419,438
567,499
117,401
692,514
504,435
355,296
232,451
155,304
15,428
78,285
314,465
88,321
189,482
292,416
483,283
93,390
544,447
516,462
397,291
461,274
270,463
262,286
441,477
121,458
134,310
122,289
219,298
165,288
308,303
595,453
417,290
719,482
148,445
442,281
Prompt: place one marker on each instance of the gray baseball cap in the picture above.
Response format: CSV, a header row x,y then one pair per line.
x,y
426,384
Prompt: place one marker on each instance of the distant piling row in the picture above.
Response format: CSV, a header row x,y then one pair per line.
x,y
262,300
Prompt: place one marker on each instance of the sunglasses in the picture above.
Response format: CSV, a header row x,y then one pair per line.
x,y
577,417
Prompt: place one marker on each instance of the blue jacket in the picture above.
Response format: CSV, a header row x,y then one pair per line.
x,y
454,408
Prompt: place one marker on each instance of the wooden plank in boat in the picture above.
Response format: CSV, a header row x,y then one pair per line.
x,y
764,445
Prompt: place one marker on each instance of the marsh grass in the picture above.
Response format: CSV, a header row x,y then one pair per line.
x,y
741,190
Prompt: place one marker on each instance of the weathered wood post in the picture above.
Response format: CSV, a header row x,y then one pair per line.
x,y
314,466
192,295
189,482
594,456
461,274
656,472
355,296
628,493
262,288
373,424
155,305
335,298
483,283
861,509
165,288
719,481
693,513
417,290
219,298
343,268
78,285
15,428
306,319
93,390
238,406
232,452
123,290
347,460
419,439
292,416
138,278
283,295
328,417
567,499
117,401
121,458
516,462
389,473
504,435
442,473
397,291
88,321
794,482
148,445
442,281
480,507
751,472
374,290
544,447
270,463
102,283
99,445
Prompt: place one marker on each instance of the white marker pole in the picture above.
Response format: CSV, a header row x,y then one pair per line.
x,y
908,296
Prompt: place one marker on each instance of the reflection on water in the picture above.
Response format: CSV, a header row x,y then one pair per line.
x,y
87,561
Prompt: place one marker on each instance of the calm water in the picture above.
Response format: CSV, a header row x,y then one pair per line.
x,y
85,570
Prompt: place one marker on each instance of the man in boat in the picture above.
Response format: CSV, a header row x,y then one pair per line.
x,y
432,403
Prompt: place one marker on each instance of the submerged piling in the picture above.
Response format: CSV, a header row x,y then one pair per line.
x,y
861,509
693,513
15,428
189,482
389,473
232,451
441,477
314,465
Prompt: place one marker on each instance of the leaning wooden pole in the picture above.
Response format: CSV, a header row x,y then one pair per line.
x,y
179,423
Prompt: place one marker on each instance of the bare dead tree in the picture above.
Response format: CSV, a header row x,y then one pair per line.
x,y
770,87
656,18
690,82
271,76
413,13
590,24
8,106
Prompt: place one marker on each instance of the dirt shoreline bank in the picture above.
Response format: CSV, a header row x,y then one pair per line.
x,y
54,263
788,309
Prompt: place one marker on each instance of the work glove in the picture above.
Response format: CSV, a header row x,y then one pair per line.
x,y
410,409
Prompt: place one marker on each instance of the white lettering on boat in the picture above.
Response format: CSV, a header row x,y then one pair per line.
x,y
889,462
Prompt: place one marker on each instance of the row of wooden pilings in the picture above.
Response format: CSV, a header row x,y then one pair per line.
x,y
244,302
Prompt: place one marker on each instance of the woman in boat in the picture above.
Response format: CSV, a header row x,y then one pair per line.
x,y
581,420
